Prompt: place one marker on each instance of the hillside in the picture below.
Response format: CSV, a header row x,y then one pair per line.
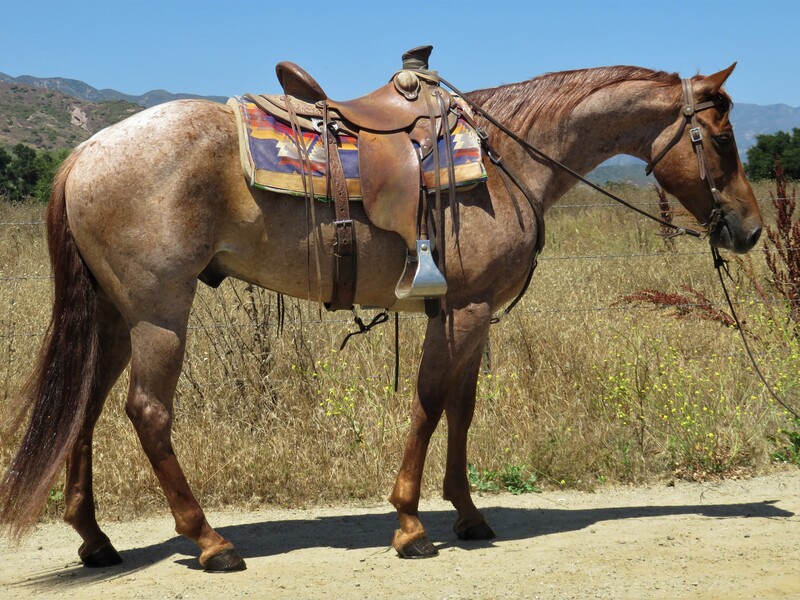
x,y
48,119
56,112
84,91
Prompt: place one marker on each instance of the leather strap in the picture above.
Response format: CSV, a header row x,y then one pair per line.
x,y
344,246
688,112
308,191
436,234
449,159
689,117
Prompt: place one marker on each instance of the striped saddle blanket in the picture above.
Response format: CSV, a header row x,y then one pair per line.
x,y
271,160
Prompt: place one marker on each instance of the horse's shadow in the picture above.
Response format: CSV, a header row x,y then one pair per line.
x,y
359,532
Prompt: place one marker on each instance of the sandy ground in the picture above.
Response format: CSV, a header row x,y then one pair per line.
x,y
735,539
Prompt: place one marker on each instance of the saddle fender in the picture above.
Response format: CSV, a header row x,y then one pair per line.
x,y
390,182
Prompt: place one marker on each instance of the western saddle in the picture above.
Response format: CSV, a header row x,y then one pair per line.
x,y
397,126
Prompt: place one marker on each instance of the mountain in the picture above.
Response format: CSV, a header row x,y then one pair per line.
x,y
54,112
49,119
83,91
751,120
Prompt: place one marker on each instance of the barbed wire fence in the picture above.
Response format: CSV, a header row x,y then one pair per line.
x,y
39,279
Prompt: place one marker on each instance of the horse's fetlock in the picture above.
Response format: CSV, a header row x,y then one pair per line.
x,y
190,523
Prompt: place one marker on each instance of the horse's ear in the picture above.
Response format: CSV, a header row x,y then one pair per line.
x,y
711,84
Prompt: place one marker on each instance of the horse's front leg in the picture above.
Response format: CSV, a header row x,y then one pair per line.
x,y
450,356
471,524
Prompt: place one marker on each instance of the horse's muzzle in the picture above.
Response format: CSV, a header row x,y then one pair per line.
x,y
732,234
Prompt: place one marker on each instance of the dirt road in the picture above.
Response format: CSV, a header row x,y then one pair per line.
x,y
735,539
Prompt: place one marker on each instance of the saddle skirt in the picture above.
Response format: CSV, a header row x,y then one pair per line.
x,y
271,159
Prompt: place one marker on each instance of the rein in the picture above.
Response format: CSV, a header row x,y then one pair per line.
x,y
535,152
688,117
688,112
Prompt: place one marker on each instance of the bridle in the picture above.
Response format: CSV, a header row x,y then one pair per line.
x,y
689,117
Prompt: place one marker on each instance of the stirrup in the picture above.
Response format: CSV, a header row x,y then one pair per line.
x,y
428,282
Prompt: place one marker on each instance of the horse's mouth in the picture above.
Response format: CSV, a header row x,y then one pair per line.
x,y
729,233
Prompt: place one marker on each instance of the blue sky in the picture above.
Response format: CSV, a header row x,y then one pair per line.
x,y
230,47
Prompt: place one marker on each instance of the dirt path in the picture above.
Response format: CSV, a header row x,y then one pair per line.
x,y
736,539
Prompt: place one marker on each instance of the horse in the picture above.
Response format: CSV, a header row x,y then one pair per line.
x,y
148,207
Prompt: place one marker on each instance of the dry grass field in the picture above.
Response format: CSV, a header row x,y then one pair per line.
x,y
579,388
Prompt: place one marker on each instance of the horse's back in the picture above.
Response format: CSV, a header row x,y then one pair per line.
x,y
177,138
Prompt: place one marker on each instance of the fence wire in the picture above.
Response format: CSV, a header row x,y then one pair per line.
x,y
36,279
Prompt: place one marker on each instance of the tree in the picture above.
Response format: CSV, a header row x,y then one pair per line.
x,y
781,146
46,164
21,173
26,174
5,159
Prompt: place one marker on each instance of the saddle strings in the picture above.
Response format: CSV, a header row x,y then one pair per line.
x,y
308,192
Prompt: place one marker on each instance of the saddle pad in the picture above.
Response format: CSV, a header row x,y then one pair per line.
x,y
271,161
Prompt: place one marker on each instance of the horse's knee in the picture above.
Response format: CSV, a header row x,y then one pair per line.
x,y
141,409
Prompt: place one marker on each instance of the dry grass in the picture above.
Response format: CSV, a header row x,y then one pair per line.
x,y
578,389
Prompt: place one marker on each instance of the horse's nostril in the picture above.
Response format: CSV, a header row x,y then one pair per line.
x,y
754,236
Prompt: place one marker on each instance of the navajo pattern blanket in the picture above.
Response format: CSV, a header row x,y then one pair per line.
x,y
271,160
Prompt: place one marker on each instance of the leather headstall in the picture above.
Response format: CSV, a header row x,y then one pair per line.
x,y
689,117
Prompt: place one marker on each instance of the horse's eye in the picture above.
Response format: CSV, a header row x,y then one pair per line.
x,y
722,139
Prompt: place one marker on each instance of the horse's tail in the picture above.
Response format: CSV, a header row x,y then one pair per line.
x,y
62,385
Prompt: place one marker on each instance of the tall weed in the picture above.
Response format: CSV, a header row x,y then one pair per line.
x,y
580,389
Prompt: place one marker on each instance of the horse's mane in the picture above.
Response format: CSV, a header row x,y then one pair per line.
x,y
557,94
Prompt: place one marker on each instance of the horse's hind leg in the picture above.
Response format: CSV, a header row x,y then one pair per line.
x,y
96,549
157,354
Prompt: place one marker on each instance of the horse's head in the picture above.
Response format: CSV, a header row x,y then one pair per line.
x,y
696,161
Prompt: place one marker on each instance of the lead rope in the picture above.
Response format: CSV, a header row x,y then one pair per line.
x,y
721,265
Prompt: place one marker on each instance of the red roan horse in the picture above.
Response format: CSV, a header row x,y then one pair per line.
x,y
137,214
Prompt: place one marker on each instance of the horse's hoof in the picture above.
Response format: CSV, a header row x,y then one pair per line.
x,y
104,556
420,548
225,561
477,531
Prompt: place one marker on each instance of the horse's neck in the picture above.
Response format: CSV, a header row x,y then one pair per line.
x,y
622,119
